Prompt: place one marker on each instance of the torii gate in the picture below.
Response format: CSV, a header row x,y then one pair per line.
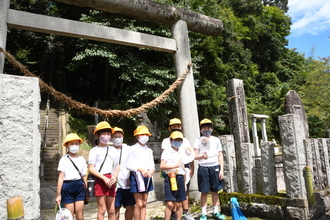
x,y
179,20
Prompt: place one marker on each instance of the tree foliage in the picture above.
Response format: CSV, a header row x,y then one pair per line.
x,y
315,94
252,47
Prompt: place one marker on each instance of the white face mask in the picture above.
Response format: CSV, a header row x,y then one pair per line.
x,y
74,149
117,141
143,139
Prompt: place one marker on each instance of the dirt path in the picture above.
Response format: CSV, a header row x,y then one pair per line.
x,y
155,211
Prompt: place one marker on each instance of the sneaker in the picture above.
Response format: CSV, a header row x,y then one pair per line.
x,y
187,216
218,216
203,217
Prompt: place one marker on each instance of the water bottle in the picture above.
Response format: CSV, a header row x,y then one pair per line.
x,y
90,186
172,176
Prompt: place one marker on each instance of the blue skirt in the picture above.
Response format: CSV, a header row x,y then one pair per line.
x,y
148,184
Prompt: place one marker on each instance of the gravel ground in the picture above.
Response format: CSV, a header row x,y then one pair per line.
x,y
155,210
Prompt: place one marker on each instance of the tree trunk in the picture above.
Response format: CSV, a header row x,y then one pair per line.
x,y
156,12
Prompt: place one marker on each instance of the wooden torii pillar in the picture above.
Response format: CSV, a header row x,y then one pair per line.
x,y
180,21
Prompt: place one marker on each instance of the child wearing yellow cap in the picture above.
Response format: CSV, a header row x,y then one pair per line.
x,y
123,195
176,125
208,151
141,163
100,164
174,182
72,180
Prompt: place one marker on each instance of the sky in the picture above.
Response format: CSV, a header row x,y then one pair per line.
x,y
310,29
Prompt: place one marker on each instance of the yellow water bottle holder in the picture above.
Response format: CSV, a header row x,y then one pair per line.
x,y
172,176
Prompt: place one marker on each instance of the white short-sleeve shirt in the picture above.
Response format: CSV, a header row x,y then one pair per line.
x,y
70,172
215,147
172,157
123,174
140,157
96,157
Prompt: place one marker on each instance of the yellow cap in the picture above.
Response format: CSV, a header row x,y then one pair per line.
x,y
72,137
206,121
141,130
103,125
176,135
116,129
175,121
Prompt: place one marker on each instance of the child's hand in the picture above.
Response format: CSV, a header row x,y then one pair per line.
x,y
205,156
179,164
58,199
113,180
107,181
127,182
145,173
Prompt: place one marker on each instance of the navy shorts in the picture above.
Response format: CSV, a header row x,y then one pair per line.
x,y
134,186
73,191
178,195
208,179
124,197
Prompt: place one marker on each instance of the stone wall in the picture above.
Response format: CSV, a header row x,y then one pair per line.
x,y
19,143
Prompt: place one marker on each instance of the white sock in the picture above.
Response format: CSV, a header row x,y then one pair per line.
x,y
215,209
203,210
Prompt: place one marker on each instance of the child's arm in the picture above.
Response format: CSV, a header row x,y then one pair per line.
x,y
96,173
151,169
58,197
192,168
220,157
200,156
114,177
165,166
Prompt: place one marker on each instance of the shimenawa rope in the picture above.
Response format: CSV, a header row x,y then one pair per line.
x,y
92,110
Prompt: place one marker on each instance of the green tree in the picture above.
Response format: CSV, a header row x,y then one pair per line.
x,y
252,47
315,94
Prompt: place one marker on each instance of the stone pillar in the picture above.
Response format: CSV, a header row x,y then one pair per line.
x,y
309,152
324,158
248,183
255,136
230,174
258,174
20,143
294,159
269,182
238,123
313,160
263,130
317,156
294,105
187,96
254,118
4,6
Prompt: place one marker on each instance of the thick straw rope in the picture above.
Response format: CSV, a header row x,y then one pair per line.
x,y
92,110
